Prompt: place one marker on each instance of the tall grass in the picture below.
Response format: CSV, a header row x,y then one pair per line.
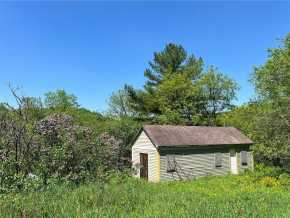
x,y
231,196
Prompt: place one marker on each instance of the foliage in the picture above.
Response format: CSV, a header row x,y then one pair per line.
x,y
60,99
177,101
272,138
267,125
269,182
267,119
38,145
172,60
272,80
261,171
230,196
125,130
81,116
119,105
68,151
217,92
112,151
51,148
180,91
243,117
18,147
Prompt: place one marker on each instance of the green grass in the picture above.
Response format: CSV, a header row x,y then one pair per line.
x,y
230,196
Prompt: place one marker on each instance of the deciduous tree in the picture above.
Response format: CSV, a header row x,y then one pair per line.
x,y
60,99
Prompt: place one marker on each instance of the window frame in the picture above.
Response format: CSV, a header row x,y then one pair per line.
x,y
244,164
170,163
218,155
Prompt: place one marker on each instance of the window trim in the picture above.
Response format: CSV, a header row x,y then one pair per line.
x,y
215,160
169,168
245,164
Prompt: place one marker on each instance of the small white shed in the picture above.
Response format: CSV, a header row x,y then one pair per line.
x,y
165,152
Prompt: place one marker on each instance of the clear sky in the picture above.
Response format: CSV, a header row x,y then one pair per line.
x,y
92,49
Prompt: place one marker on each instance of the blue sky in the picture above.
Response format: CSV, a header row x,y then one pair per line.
x,y
92,49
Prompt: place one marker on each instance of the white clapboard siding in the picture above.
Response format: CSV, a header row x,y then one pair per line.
x,y
193,165
144,145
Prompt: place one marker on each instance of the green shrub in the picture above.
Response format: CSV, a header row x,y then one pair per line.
x,y
262,171
269,181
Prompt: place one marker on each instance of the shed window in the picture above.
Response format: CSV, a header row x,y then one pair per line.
x,y
244,158
218,159
171,164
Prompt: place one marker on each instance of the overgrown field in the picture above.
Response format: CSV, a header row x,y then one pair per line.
x,y
231,196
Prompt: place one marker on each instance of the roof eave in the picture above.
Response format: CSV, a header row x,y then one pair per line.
x,y
202,146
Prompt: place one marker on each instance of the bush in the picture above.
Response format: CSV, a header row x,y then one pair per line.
x,y
265,171
20,182
269,181
57,149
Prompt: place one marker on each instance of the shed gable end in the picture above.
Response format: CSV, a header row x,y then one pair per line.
x,y
143,145
143,141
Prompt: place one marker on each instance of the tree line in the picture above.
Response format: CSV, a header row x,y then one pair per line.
x,y
52,139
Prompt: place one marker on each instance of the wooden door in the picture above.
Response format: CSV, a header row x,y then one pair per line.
x,y
144,166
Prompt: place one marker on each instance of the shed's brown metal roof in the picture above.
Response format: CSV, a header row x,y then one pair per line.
x,y
168,135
